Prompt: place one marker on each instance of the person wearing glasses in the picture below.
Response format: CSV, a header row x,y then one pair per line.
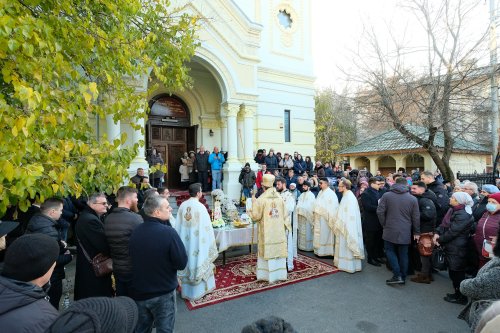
x,y
91,240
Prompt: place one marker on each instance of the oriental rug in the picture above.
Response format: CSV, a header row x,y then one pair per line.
x,y
237,279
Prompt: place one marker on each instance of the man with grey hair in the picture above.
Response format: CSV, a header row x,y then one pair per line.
x,y
157,253
91,241
472,189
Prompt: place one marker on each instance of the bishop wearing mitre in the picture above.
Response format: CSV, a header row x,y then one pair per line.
x,y
270,213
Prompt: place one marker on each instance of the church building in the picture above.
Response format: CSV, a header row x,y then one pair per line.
x,y
253,87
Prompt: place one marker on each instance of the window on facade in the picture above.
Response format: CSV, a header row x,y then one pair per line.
x,y
287,125
285,19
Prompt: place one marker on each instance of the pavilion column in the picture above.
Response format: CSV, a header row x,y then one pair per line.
x,y
232,167
400,161
112,129
249,112
373,164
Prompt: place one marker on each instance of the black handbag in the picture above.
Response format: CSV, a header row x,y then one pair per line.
x,y
438,259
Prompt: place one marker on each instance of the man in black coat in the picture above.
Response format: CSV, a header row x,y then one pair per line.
x,y
91,241
202,166
439,189
427,202
372,230
398,214
118,227
46,223
29,263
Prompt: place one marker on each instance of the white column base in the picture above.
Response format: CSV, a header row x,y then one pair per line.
x,y
231,186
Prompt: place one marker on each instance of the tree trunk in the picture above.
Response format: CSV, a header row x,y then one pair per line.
x,y
443,166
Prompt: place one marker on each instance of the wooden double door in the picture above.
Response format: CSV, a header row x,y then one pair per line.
x,y
171,142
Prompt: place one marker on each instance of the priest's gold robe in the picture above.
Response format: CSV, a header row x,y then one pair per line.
x,y
270,213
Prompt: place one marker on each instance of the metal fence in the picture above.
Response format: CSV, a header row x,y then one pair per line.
x,y
478,178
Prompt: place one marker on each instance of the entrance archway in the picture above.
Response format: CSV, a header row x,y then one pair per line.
x,y
361,163
169,131
413,162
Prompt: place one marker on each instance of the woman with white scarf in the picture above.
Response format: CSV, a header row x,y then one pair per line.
x,y
453,234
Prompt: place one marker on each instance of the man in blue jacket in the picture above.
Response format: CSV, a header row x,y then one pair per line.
x,y
157,253
216,161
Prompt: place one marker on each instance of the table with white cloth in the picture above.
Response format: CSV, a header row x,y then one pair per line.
x,y
230,236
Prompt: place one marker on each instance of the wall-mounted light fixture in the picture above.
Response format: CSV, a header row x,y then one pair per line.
x,y
210,132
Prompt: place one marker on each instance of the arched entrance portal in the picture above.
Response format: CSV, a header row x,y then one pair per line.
x,y
169,131
414,162
386,165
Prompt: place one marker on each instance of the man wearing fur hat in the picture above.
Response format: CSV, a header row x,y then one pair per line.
x,y
29,263
270,212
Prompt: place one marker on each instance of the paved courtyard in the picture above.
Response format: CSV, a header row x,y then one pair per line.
x,y
339,302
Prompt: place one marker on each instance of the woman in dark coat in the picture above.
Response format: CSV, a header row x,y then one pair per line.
x,y
90,235
309,165
299,165
453,234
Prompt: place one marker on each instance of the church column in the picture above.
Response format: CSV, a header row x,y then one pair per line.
x,y
112,129
241,137
248,114
232,128
138,138
223,128
141,86
232,167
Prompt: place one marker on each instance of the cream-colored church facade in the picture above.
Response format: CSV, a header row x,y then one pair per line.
x,y
253,88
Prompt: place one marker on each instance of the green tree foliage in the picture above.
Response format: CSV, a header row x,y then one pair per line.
x,y
335,124
63,64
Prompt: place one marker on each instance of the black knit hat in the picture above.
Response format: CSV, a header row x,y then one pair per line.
x,y
98,314
30,257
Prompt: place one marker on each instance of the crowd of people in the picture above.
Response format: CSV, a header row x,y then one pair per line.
x,y
349,215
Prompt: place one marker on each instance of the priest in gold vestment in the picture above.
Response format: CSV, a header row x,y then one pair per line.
x,y
270,213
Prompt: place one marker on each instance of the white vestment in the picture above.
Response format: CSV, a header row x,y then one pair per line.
x,y
325,209
303,217
195,229
289,199
173,221
349,248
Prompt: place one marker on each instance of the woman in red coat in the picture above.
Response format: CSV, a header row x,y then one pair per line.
x,y
487,227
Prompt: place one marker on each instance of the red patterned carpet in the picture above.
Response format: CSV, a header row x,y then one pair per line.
x,y
237,278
